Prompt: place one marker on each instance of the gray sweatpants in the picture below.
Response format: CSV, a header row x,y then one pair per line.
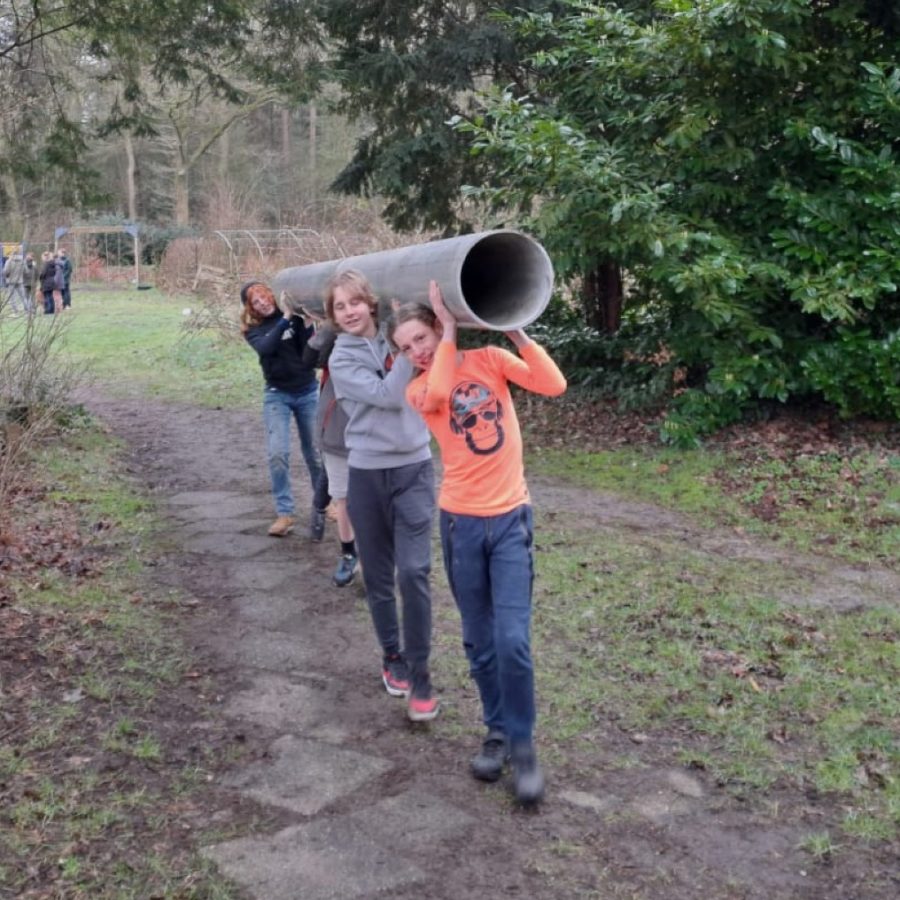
x,y
392,512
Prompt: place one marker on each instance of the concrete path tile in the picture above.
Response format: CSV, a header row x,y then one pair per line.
x,y
305,776
353,855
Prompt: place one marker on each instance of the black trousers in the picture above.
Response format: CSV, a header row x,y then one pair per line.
x,y
392,511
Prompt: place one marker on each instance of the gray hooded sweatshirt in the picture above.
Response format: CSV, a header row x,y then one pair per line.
x,y
383,431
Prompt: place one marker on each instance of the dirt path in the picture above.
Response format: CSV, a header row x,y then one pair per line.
x,y
335,795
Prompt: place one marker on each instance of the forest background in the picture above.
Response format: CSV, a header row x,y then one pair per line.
x,y
716,182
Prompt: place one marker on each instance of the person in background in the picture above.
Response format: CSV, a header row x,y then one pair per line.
x,y
485,517
291,392
52,298
31,282
390,488
63,262
14,273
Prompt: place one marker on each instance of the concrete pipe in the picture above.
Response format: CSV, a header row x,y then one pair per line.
x,y
498,280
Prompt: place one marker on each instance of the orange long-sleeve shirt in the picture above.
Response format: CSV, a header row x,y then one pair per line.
x,y
465,400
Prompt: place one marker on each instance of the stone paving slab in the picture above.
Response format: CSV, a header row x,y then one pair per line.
x,y
272,700
662,806
206,498
280,611
660,796
684,784
417,819
261,649
228,546
345,856
305,776
291,865
601,805
268,576
228,525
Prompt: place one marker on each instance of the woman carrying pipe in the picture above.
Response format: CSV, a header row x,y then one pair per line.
x,y
291,392
485,517
390,489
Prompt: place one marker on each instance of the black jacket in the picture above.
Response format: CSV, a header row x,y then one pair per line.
x,y
48,276
280,344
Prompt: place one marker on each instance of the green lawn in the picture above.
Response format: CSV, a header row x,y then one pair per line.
x,y
137,342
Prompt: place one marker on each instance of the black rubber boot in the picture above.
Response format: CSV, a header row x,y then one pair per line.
x,y
528,779
488,764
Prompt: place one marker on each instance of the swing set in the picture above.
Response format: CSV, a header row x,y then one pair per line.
x,y
98,257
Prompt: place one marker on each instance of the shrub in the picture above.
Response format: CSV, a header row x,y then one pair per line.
x,y
35,387
859,373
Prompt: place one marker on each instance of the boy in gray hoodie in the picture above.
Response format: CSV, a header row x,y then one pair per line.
x,y
390,495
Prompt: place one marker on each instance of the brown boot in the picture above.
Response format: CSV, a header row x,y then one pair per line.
x,y
281,526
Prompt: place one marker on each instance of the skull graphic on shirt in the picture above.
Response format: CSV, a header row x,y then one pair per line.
x,y
476,412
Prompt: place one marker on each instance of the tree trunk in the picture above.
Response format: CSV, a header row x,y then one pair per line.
x,y
182,210
202,136
602,297
14,214
313,138
286,138
224,155
131,179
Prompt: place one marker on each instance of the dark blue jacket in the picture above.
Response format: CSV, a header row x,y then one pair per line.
x,y
280,344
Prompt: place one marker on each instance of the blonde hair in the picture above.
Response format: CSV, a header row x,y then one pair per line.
x,y
355,282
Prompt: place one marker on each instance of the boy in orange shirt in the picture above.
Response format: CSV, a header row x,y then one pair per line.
x,y
485,517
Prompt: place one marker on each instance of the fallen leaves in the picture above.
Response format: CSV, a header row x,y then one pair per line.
x,y
760,677
43,534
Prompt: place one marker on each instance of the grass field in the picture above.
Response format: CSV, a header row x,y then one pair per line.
x,y
137,342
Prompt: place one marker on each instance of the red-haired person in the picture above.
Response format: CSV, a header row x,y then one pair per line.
x,y
291,392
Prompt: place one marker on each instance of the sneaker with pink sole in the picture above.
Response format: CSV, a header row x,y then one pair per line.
x,y
395,675
420,709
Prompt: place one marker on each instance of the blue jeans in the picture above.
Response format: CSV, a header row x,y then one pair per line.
x,y
278,409
490,567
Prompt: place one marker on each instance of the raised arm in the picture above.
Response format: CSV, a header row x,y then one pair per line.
x,y
439,381
444,316
266,344
533,369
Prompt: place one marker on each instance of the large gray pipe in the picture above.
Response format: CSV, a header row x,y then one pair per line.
x,y
499,280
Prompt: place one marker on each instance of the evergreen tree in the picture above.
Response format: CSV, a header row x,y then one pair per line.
x,y
738,162
405,68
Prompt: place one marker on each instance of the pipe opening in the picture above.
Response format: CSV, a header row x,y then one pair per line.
x,y
506,280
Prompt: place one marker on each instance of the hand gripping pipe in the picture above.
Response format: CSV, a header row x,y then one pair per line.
x,y
496,280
